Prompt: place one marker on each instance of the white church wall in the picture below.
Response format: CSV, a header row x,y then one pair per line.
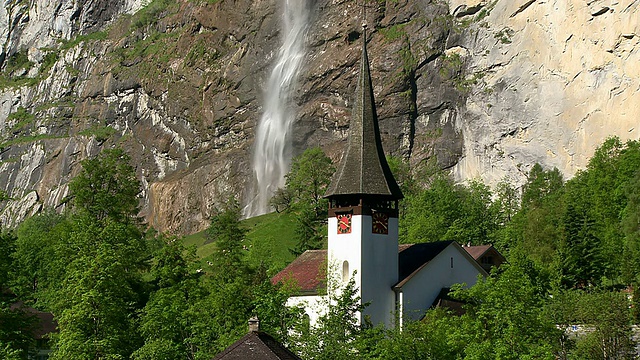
x,y
380,272
314,306
372,263
345,247
420,292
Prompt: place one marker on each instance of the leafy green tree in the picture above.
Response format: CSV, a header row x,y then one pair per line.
x,y
508,201
308,230
309,178
16,326
107,186
101,290
479,218
607,317
96,303
229,236
448,211
437,340
602,188
582,264
336,332
540,183
535,230
166,320
37,268
431,212
631,228
305,186
505,318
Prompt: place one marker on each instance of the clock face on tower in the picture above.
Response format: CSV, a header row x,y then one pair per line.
x,y
380,223
344,223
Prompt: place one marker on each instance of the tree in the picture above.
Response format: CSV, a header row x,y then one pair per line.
x,y
96,303
478,220
16,326
37,268
101,290
166,320
107,186
305,185
608,316
309,178
431,212
504,318
437,339
582,264
540,183
225,231
335,334
631,229
308,230
448,211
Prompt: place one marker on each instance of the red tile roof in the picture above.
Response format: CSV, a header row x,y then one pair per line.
x,y
307,272
477,251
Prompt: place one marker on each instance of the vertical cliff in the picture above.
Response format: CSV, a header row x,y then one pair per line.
x,y
552,80
485,87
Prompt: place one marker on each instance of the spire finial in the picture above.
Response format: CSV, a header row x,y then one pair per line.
x,y
364,13
363,170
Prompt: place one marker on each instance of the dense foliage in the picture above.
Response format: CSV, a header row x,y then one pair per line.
x,y
118,291
303,195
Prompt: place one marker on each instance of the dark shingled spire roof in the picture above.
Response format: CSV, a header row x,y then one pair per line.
x,y
364,169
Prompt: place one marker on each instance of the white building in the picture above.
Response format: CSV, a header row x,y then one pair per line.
x,y
396,280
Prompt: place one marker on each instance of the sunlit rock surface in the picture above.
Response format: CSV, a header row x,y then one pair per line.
x,y
487,88
555,79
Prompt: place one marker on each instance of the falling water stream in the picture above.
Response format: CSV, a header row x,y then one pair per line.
x,y
272,146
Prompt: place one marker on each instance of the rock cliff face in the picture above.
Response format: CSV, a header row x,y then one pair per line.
x,y
554,80
486,87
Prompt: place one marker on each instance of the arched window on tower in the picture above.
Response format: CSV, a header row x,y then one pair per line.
x,y
345,271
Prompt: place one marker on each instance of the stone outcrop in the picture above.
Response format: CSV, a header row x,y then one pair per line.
x,y
486,87
554,80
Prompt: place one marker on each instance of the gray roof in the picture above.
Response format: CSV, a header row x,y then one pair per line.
x,y
364,169
256,345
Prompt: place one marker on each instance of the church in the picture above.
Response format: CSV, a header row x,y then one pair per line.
x,y
398,281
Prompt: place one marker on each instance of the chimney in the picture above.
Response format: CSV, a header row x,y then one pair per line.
x,y
254,324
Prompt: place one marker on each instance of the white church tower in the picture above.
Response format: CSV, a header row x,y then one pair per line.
x,y
363,210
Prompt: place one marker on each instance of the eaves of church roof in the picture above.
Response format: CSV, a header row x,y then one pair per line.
x,y
308,271
417,257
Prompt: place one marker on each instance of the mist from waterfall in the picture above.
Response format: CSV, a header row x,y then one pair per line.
x,y
272,146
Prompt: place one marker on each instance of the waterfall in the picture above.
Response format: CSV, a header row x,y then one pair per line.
x,y
272,148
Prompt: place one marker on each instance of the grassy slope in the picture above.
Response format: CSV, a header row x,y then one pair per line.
x,y
269,238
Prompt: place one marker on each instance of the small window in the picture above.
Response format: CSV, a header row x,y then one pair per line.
x,y
452,262
345,271
487,260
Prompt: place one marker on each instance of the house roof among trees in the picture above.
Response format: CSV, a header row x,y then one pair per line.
x,y
256,345
477,251
364,169
308,271
414,258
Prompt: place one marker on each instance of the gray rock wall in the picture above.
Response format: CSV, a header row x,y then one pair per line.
x,y
487,88
555,79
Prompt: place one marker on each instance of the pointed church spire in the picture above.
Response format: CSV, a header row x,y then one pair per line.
x,y
364,169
